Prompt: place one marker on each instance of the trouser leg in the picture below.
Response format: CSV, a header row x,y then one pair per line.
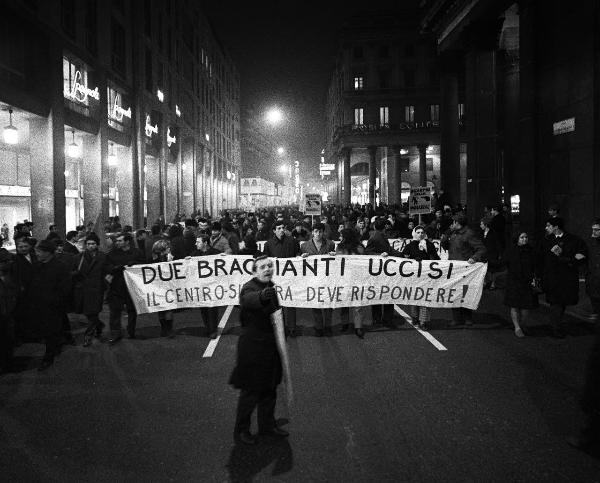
x,y
377,313
246,403
92,325
7,341
66,327
414,313
327,317
318,318
289,316
357,315
556,314
345,315
266,410
115,306
424,314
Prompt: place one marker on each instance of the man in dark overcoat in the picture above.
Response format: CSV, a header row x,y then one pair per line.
x,y
562,255
92,268
118,295
47,294
378,244
281,245
258,368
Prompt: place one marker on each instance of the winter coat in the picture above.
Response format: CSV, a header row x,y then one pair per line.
x,y
412,250
464,244
117,260
221,244
520,265
89,283
178,247
285,248
189,240
47,296
560,274
593,273
258,366
310,247
378,244
493,250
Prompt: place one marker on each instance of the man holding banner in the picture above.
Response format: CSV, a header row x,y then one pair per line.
x,y
258,368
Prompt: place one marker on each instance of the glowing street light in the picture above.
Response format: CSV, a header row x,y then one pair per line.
x,y
274,116
280,150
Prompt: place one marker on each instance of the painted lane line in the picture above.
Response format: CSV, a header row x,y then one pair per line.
x,y
425,334
212,345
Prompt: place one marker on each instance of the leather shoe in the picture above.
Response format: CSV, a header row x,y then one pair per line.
x,y
115,339
360,333
246,437
280,433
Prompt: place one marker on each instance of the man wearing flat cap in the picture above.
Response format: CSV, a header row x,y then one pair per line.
x,y
47,293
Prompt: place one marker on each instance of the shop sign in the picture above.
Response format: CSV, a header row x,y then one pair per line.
x,y
170,139
118,112
80,92
564,126
150,129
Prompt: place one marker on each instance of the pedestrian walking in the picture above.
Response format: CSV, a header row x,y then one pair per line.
x,y
258,369
89,284
123,255
420,248
592,279
350,245
493,252
562,256
319,245
462,244
520,294
161,252
209,314
281,245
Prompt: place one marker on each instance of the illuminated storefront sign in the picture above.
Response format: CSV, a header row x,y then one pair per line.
x,y
79,91
170,139
150,129
117,111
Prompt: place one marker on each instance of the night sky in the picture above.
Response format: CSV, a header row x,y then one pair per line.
x,y
285,53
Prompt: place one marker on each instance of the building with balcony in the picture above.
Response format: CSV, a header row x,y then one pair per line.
x,y
383,130
531,73
127,107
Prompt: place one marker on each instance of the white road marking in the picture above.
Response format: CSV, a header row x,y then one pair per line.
x,y
212,345
425,334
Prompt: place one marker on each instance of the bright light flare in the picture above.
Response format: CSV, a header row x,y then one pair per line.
x,y
274,116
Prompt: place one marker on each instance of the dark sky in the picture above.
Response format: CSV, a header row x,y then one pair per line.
x,y
285,51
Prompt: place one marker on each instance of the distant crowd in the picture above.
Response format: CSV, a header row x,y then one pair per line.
x,y
45,280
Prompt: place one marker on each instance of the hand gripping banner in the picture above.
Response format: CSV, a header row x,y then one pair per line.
x,y
317,281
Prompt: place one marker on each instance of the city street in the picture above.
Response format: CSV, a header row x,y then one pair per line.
x,y
473,404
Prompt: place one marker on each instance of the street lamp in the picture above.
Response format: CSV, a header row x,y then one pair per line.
x,y
11,133
280,150
274,116
73,149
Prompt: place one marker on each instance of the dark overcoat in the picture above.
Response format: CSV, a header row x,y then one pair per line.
x,y
520,265
412,250
560,274
47,296
89,283
493,250
464,244
258,366
593,274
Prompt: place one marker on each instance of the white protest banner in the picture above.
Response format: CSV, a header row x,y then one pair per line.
x,y
316,281
396,244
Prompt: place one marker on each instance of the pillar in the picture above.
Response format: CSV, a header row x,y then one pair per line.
x,y
395,167
94,177
372,173
449,128
125,182
422,164
483,185
347,182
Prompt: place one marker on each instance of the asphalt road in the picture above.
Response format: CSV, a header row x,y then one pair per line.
x,y
392,407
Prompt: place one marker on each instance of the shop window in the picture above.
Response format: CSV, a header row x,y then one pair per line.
x,y
409,113
359,83
434,112
384,116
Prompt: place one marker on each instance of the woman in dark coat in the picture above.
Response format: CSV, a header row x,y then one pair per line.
x,y
419,248
519,294
92,267
176,241
258,369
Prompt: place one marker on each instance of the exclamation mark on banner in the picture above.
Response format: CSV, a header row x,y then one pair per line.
x,y
465,290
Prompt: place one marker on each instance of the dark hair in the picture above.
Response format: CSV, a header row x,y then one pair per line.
x,y
175,230
379,224
486,221
127,237
349,239
70,235
155,229
92,237
216,226
258,259
139,232
318,226
277,223
557,222
53,236
596,221
250,243
190,222
204,237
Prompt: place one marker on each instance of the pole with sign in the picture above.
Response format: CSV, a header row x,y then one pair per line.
x,y
312,204
419,202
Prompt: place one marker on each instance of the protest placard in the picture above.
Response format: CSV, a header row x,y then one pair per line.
x,y
316,281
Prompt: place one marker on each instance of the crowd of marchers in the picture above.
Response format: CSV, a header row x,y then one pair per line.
x,y
47,280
